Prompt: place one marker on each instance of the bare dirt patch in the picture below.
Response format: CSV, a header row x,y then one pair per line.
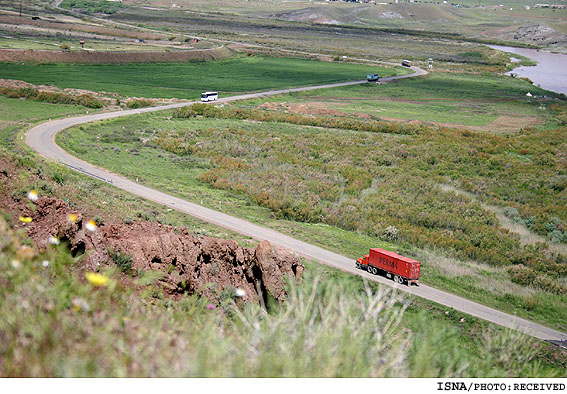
x,y
310,108
512,123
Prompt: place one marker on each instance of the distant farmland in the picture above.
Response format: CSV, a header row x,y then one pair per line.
x,y
187,80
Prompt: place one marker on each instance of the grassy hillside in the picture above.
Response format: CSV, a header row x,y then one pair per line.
x,y
188,80
55,323
349,190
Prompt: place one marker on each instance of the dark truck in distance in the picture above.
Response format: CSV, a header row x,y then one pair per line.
x,y
390,264
372,77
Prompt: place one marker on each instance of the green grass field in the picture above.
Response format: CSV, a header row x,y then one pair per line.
x,y
188,80
489,102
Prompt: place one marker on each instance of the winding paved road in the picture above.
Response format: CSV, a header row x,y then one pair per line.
x,y
41,138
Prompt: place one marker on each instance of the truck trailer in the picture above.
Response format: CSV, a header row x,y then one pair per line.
x,y
399,268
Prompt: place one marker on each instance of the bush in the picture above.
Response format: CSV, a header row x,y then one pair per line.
x,y
139,103
59,177
122,260
86,100
510,212
391,233
526,276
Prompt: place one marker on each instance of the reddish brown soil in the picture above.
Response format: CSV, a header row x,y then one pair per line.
x,y
189,264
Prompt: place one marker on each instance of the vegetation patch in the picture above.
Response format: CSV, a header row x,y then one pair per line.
x,y
105,7
85,100
209,111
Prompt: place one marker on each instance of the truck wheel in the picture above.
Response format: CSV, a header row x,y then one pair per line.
x,y
358,265
397,279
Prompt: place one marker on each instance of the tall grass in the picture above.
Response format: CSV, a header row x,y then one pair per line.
x,y
56,324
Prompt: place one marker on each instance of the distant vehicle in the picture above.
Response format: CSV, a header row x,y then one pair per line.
x,y
406,63
36,18
372,77
209,96
390,264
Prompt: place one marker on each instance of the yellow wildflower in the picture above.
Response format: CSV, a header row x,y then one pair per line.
x,y
73,218
25,219
97,280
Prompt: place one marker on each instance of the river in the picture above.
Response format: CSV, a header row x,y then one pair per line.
x,y
550,72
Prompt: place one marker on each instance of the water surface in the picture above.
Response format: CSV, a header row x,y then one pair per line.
x,y
550,72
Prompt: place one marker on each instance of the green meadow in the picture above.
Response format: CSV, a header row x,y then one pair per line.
x,y
187,80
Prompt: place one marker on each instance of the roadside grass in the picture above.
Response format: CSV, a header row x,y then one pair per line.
x,y
27,112
188,80
493,103
292,178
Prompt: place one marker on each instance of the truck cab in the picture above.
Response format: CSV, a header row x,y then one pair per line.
x,y
362,261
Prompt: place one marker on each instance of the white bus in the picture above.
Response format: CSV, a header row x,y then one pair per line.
x,y
209,96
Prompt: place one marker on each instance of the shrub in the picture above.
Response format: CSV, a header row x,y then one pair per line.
x,y
86,100
122,260
28,92
510,212
59,177
526,276
391,233
139,103
55,98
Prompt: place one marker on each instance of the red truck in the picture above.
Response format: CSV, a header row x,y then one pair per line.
x,y
380,261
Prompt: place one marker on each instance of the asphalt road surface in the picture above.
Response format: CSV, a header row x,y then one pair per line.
x,y
41,138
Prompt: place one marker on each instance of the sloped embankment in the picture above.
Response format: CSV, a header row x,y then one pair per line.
x,y
193,264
